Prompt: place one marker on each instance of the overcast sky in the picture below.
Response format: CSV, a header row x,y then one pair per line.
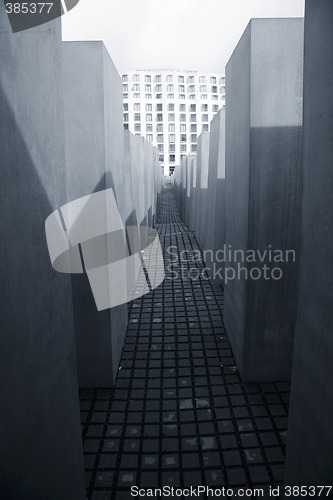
x,y
175,34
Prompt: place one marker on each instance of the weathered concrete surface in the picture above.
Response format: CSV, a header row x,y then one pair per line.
x,y
94,161
98,158
41,450
310,437
214,236
200,192
263,192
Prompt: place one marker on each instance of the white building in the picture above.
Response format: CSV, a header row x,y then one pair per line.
x,y
170,108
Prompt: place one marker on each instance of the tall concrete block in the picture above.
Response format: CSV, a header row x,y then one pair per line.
x,y
200,193
263,194
310,438
192,216
41,450
94,161
215,231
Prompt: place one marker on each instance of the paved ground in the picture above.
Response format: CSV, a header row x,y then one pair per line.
x,y
179,414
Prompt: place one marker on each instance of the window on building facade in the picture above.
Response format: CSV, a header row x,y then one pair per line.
x,y
204,118
193,127
149,107
181,79
213,79
172,148
158,96
191,96
203,96
170,96
183,127
158,88
125,106
190,79
125,117
172,137
136,106
171,117
125,78
214,89
215,108
182,137
183,148
125,96
204,107
159,107
159,117
161,158
159,137
136,78
193,118
191,88
222,90
137,127
182,118
193,108
169,78
182,107
126,126
181,88
193,148
136,87
215,97
205,127
125,87
136,96
171,107
159,127
193,137
202,79
147,78
170,88
149,137
148,88
148,96
203,88
171,127
158,78
149,117
222,80
181,96
160,148
137,117
149,127
172,158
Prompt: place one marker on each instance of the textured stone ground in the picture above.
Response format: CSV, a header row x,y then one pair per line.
x,y
179,414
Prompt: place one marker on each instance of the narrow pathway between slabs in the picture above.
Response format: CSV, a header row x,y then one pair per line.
x,y
179,414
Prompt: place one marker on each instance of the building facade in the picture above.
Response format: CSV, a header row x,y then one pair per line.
x,y
170,108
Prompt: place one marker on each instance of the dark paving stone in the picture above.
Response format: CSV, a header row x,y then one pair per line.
x,y
179,414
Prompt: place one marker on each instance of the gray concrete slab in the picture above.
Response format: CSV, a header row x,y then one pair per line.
x,y
214,236
94,161
41,449
310,438
263,194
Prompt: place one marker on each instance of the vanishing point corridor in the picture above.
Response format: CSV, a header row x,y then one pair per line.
x,y
179,414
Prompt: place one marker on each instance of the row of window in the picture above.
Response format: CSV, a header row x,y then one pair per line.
x,y
171,117
171,138
171,79
171,127
170,88
171,107
214,97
